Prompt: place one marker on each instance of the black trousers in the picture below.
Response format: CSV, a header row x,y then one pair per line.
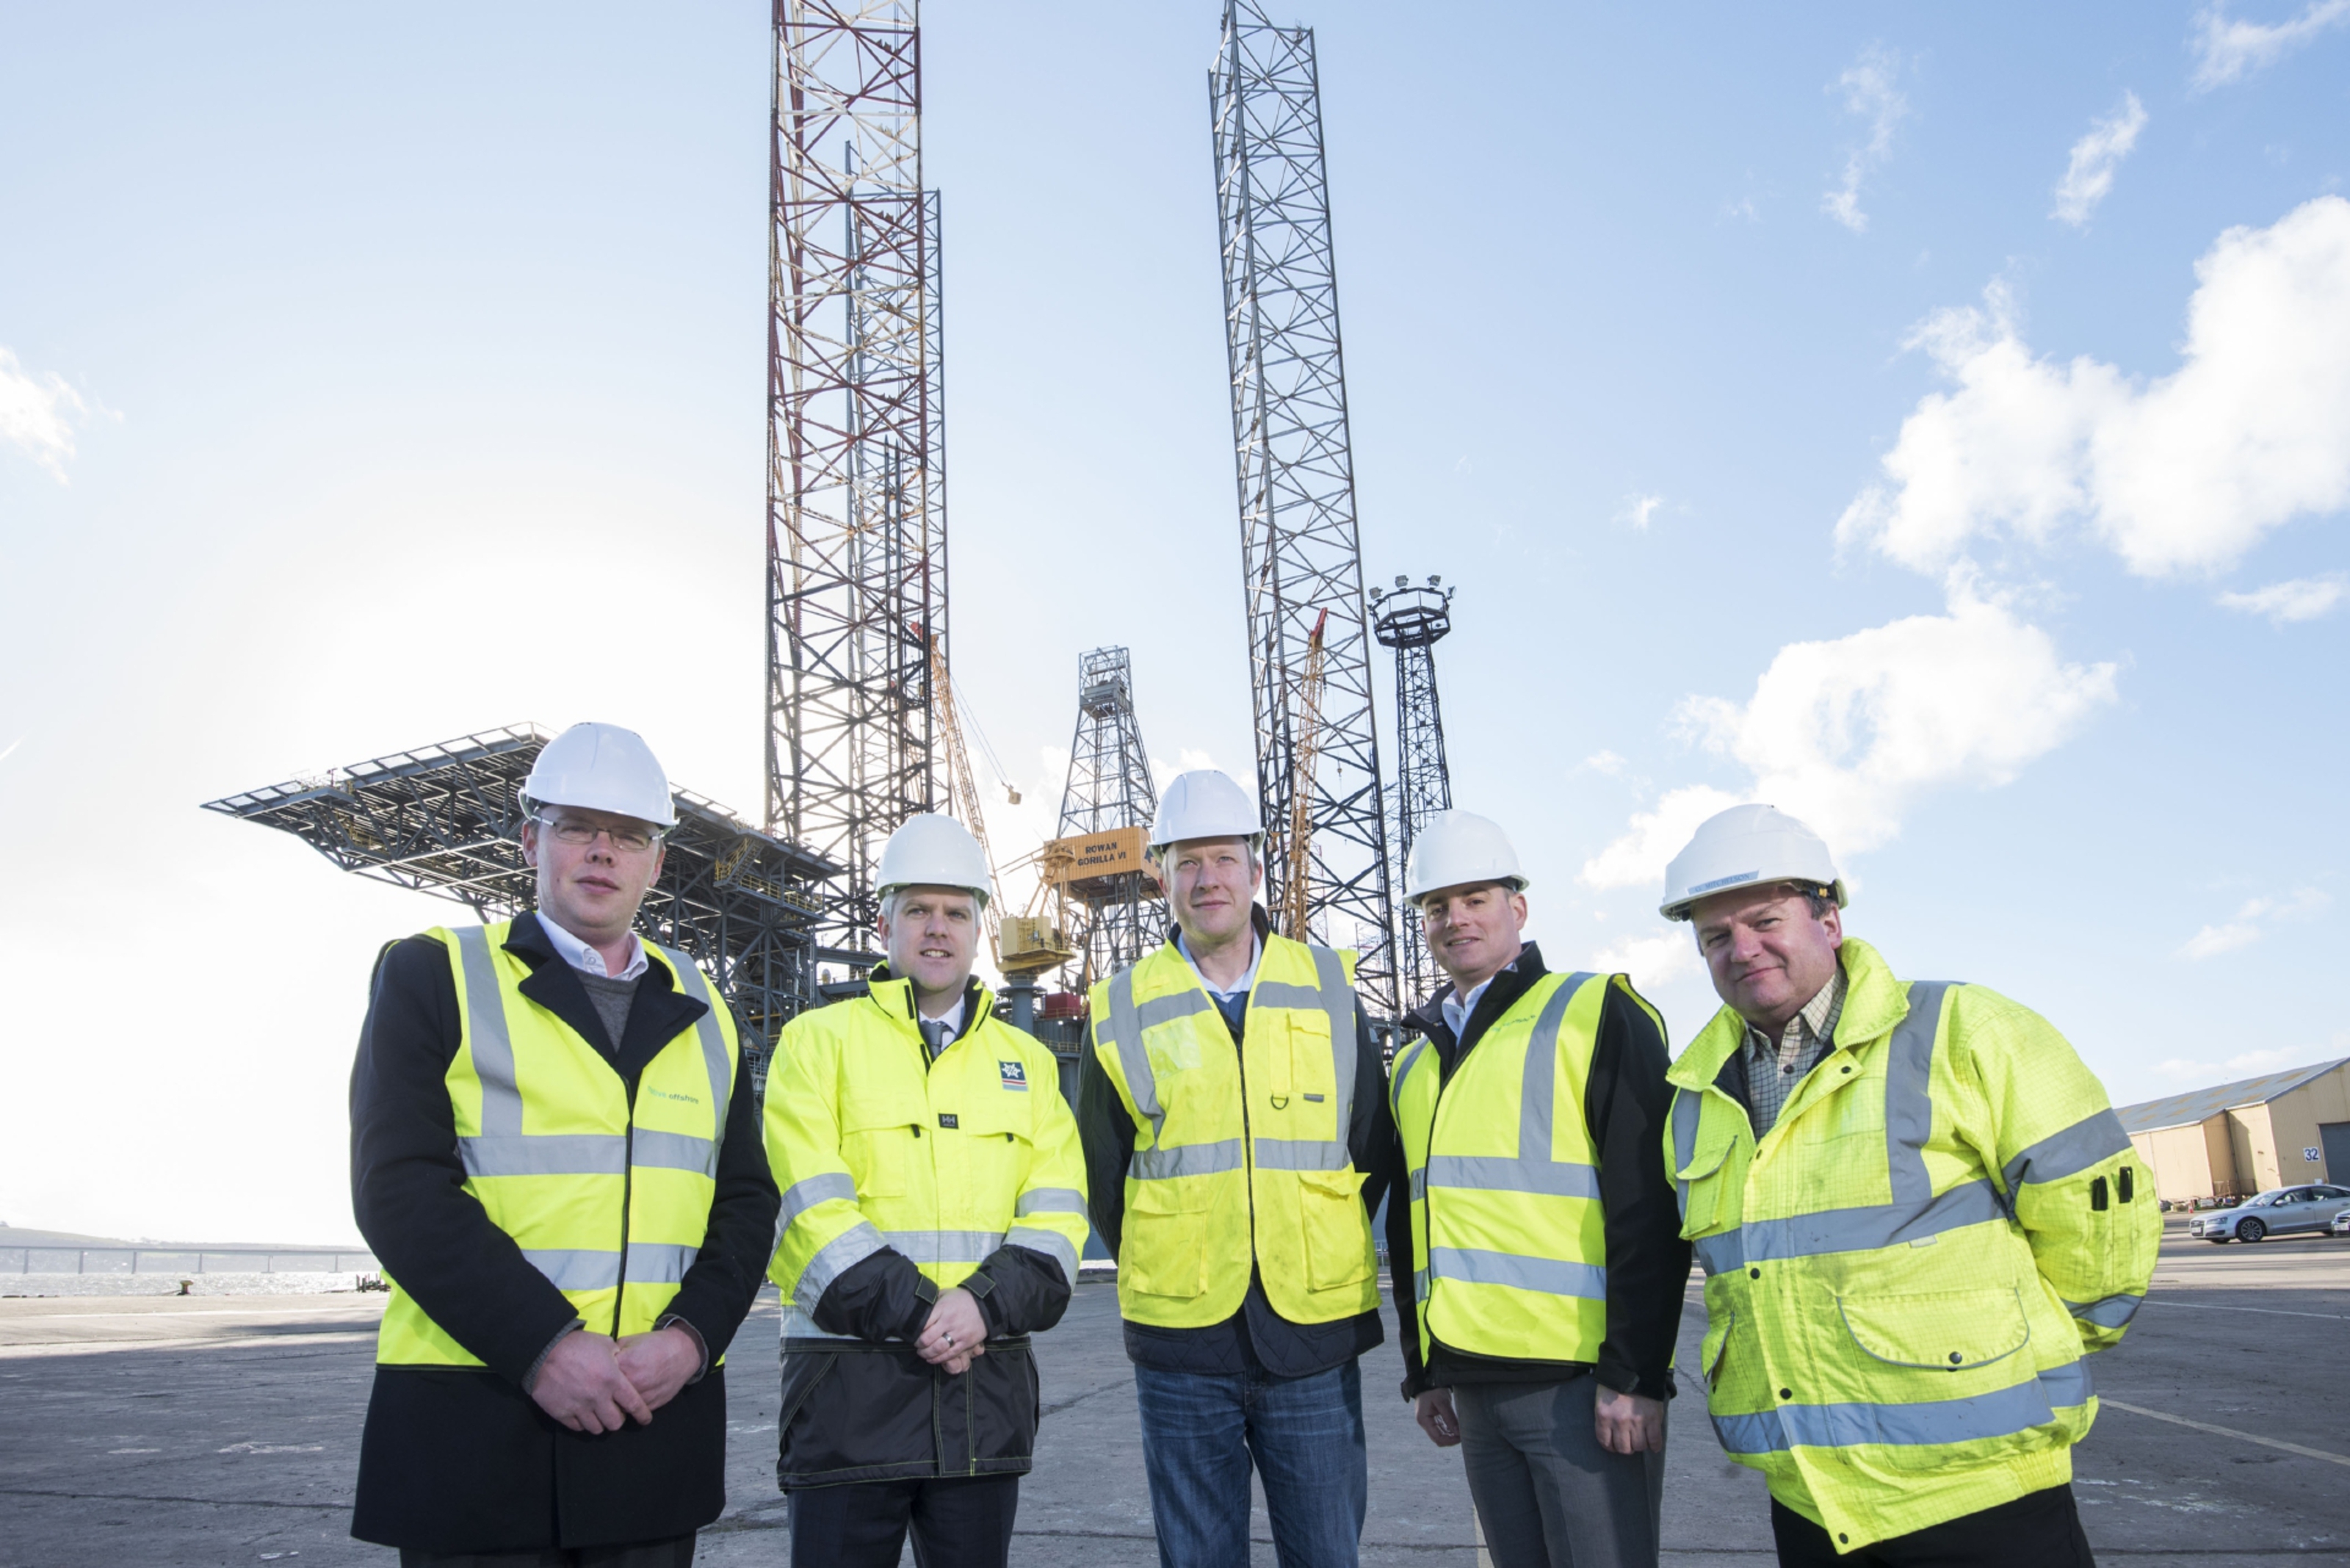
x,y
965,1522
2039,1529
676,1552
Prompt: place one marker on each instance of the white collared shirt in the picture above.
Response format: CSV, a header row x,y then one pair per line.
x,y
1246,983
1457,1007
587,960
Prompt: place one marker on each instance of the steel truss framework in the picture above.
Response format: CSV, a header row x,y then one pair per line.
x,y
1299,549
1412,621
1109,787
856,481
446,820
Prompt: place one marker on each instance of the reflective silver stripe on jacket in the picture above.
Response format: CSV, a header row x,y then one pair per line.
x,y
798,1324
808,1192
1050,1200
2089,1141
1052,1243
1156,1164
546,1154
1999,1414
935,1247
834,1259
659,1262
1551,1276
1916,1213
576,1269
2113,1312
690,980
488,1036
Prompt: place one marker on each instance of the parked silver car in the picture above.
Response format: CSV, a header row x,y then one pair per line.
x,y
2280,1211
2341,1225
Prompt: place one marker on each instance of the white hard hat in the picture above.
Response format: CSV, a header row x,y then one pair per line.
x,y
1457,849
1205,804
1745,847
934,851
601,767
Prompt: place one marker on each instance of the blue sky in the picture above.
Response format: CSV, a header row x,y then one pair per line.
x,y
1936,421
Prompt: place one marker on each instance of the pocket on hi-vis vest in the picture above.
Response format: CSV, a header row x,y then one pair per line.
x,y
1924,1355
1709,1185
878,1158
1337,1240
1165,1251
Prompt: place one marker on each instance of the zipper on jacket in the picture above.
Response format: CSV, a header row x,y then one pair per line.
x,y
1248,1141
628,1185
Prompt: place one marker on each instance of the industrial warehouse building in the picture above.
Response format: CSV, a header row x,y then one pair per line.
x,y
2248,1136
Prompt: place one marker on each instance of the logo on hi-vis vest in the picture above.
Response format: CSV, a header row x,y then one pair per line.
x,y
1015,1075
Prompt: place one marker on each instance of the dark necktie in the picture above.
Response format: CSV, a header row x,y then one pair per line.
x,y
934,1034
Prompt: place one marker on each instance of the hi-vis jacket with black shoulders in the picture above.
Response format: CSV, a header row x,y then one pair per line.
x,y
1904,1275
904,1176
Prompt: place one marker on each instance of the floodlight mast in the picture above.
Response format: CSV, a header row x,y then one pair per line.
x,y
1412,621
1299,553
857,581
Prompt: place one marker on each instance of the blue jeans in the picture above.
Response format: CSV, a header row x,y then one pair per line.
x,y
1200,1432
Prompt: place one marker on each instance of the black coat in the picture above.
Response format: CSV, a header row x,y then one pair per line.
x,y
876,1410
459,1459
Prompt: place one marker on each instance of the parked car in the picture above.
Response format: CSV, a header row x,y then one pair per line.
x,y
2341,1226
2280,1211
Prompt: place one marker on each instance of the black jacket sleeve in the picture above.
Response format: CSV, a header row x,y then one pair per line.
x,y
717,1291
1370,1131
1626,1102
1107,1134
882,1297
1398,1239
408,1182
1019,1292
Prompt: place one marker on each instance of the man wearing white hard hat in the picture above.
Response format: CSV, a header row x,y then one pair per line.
x,y
1546,1270
1234,1108
1918,1216
934,1211
555,1153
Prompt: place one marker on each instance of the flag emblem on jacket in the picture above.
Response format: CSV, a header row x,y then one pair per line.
x,y
1015,1075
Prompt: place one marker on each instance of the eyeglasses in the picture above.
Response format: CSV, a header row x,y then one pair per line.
x,y
572,831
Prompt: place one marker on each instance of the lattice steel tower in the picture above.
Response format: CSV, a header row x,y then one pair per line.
x,y
856,477
1109,787
1299,551
1412,621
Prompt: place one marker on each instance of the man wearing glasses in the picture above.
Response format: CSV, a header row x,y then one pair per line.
x,y
556,1155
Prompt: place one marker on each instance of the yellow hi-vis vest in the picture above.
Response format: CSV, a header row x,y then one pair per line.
x,y
875,1145
609,1200
1901,1276
1509,1246
1240,1155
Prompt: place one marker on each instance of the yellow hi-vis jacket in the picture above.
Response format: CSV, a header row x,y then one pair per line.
x,y
1240,1156
876,1145
1903,1275
608,1200
1509,1247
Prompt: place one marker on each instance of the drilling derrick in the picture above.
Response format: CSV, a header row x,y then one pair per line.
x,y
856,480
1300,556
1412,621
1106,815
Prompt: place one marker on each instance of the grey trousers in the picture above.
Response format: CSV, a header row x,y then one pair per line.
x,y
1547,1494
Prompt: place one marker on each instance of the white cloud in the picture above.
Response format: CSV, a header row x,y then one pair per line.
x,y
2090,173
1664,954
2185,473
38,415
2303,598
1847,735
1638,510
1637,857
1869,92
1607,763
2227,50
2248,924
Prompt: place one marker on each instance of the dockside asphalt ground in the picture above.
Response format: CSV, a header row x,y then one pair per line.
x,y
212,1430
